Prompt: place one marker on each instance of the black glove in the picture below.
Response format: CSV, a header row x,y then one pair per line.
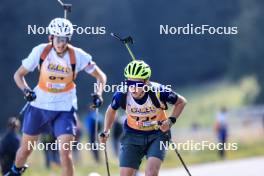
x,y
172,120
104,134
29,95
97,100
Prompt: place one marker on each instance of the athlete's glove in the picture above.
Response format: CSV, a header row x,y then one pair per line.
x,y
167,124
29,94
172,120
103,136
97,100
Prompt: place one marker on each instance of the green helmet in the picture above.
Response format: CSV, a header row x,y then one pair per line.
x,y
137,69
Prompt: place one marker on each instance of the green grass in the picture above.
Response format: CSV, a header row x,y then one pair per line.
x,y
244,150
206,99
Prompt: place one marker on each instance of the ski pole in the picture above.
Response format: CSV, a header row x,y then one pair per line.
x,y
22,110
96,124
95,105
183,163
157,126
106,156
126,42
66,8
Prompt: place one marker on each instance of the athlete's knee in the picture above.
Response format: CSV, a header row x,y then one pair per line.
x,y
27,145
152,171
65,151
127,171
65,156
153,167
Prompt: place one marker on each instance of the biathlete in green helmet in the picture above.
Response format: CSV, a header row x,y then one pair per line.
x,y
147,124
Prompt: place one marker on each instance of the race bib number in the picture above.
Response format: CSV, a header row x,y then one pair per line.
x,y
57,86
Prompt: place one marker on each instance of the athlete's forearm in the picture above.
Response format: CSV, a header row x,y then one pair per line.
x,y
178,106
19,78
109,118
101,80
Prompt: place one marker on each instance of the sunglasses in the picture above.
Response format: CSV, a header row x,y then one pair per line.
x,y
134,83
62,39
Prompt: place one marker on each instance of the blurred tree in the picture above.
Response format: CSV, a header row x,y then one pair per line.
x,y
248,47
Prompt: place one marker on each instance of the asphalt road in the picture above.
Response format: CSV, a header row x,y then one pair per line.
x,y
244,167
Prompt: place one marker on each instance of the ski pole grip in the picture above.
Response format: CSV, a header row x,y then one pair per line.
x,y
102,134
159,123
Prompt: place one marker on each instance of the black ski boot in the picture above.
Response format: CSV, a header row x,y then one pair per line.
x,y
14,171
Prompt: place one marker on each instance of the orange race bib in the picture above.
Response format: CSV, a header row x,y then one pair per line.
x,y
143,117
56,75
